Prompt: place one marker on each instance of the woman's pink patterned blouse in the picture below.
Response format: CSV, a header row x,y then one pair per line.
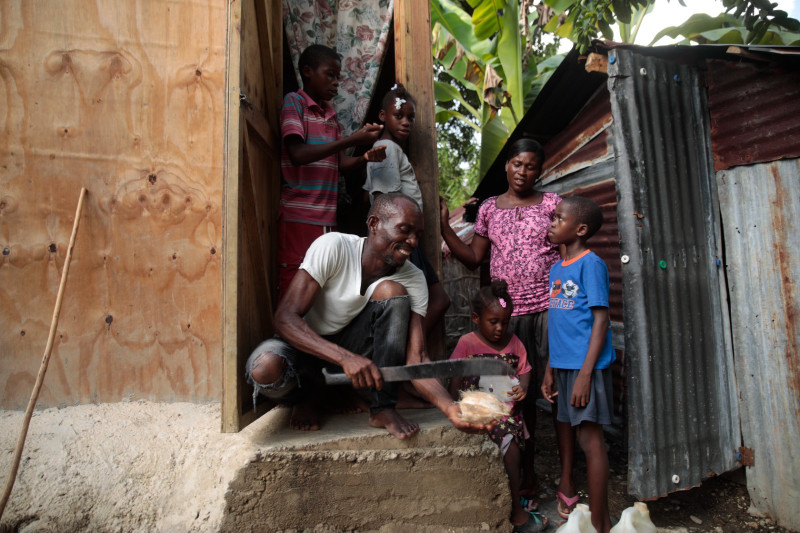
x,y
521,253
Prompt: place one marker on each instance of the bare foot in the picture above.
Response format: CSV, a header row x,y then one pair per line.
x,y
564,497
304,417
394,423
344,400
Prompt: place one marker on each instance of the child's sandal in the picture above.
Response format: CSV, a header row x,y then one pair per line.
x,y
565,504
528,505
536,522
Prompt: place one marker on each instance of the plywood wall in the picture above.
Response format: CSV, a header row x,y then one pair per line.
x,y
126,99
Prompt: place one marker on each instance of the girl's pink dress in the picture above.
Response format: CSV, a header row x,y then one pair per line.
x,y
513,426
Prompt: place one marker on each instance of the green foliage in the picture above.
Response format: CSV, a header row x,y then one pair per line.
x,y
458,176
458,134
582,21
489,52
760,17
728,29
457,148
745,22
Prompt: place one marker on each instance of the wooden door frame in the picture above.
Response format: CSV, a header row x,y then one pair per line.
x,y
414,68
244,125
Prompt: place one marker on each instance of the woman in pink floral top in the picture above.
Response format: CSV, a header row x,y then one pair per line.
x,y
513,226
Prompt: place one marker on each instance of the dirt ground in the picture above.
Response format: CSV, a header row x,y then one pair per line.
x,y
720,504
177,480
121,467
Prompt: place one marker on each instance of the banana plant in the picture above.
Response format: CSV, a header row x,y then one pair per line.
x,y
744,21
485,51
727,29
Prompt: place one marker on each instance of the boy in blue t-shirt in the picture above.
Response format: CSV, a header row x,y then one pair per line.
x,y
581,353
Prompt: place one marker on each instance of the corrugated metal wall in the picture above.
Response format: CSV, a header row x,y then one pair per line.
x,y
760,207
755,113
683,419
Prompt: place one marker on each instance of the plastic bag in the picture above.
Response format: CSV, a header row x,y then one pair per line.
x,y
635,519
580,521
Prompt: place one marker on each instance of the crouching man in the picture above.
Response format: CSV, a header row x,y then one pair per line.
x,y
355,305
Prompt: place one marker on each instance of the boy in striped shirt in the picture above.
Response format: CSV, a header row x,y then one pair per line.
x,y
311,156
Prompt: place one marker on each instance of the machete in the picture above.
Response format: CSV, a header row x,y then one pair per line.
x,y
436,369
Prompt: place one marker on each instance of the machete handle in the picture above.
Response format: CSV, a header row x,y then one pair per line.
x,y
337,378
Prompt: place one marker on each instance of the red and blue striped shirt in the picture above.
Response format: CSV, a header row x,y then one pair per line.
x,y
309,192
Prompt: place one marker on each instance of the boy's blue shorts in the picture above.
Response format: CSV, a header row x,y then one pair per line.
x,y
601,398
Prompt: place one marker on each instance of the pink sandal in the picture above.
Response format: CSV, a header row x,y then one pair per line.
x,y
566,505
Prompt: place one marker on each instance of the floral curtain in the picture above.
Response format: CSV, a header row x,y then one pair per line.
x,y
357,30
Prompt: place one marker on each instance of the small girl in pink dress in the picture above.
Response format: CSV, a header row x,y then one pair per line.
x,y
513,227
491,312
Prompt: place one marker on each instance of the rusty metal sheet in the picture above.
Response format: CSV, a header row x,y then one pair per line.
x,y
760,207
683,418
594,151
463,228
592,121
755,113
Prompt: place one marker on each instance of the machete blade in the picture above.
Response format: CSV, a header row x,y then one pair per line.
x,y
436,369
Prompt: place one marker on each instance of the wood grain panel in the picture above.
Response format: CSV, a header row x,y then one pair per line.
x,y
126,99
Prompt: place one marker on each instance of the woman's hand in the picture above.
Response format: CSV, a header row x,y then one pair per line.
x,y
444,212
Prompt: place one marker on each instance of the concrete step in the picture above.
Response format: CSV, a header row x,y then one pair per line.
x,y
351,477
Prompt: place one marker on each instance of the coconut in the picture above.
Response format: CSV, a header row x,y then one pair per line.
x,y
479,407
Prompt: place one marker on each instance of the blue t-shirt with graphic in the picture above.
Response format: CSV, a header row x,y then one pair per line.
x,y
575,287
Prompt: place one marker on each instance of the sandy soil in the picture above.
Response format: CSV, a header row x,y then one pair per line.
x,y
143,466
153,467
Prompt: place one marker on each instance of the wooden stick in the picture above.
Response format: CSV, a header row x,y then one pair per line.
x,y
12,475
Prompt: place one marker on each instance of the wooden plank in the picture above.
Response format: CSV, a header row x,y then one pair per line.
x,y
256,28
262,211
254,310
92,96
270,25
255,118
597,63
414,69
230,215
